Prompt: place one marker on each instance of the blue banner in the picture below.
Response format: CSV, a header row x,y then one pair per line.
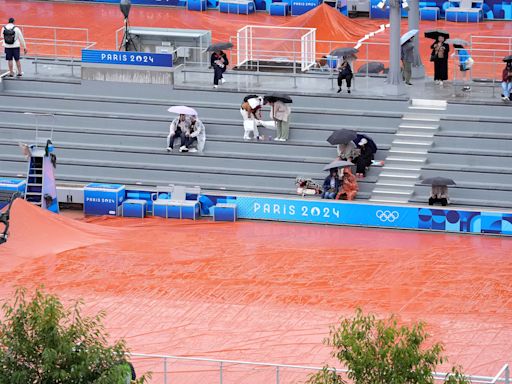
x,y
127,58
345,213
141,2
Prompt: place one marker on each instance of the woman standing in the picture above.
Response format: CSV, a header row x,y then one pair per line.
x,y
219,62
439,56
506,83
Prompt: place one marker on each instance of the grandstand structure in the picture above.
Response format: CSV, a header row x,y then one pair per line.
x,y
113,134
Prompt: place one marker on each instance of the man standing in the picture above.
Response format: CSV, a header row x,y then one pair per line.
x,y
407,53
13,40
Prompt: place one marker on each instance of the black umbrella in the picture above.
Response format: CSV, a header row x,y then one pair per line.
x,y
441,181
340,52
507,58
435,33
219,47
371,67
370,143
250,97
342,136
275,96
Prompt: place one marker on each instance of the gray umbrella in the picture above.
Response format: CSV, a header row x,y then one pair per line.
x,y
461,42
219,47
371,67
341,136
438,181
337,164
340,52
507,58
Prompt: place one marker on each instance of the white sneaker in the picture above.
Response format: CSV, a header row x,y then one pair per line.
x,y
441,83
215,86
169,149
277,139
192,150
222,81
183,149
506,98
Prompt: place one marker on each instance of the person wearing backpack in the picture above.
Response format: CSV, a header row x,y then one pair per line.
x,y
13,40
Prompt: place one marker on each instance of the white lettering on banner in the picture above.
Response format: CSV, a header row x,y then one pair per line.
x,y
277,209
103,56
99,200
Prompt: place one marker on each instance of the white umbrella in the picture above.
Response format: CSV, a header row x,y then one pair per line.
x,y
407,35
183,110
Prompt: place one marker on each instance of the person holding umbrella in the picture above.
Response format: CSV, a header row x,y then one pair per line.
x,y
407,56
219,62
344,73
280,112
506,78
439,192
331,184
439,55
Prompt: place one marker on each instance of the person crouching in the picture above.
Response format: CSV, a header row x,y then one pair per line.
x,y
349,185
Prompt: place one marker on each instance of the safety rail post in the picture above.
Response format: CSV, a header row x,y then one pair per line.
x,y
165,370
55,42
220,372
507,375
494,74
277,375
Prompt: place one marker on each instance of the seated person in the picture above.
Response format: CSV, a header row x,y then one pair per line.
x,y
349,187
331,184
196,134
177,127
364,160
439,195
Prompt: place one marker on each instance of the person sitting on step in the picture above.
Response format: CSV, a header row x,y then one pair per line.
x,y
195,135
177,127
439,195
349,187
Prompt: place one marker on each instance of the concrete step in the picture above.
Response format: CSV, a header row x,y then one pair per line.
x,y
415,134
414,125
392,183
400,191
439,105
395,160
416,142
392,174
406,151
417,117
388,200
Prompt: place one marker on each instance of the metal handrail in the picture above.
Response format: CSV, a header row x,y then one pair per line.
x,y
477,379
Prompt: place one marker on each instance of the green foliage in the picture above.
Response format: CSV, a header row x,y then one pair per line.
x,y
456,376
43,342
326,376
380,351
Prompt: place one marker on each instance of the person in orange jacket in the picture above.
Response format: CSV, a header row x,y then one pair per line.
x,y
349,185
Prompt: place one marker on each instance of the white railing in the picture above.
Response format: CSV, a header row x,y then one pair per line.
x,y
168,369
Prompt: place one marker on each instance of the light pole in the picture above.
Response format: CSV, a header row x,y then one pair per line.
x,y
418,70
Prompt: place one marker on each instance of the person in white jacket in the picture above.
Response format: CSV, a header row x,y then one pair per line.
x,y
12,41
195,133
178,126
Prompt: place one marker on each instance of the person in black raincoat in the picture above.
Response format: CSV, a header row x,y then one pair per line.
x,y
364,160
439,56
219,62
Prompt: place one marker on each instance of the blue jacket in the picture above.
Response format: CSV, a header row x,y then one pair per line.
x,y
327,183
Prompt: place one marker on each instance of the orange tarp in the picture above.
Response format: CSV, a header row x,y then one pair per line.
x,y
263,291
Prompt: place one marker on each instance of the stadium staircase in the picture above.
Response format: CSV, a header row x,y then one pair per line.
x,y
117,133
409,152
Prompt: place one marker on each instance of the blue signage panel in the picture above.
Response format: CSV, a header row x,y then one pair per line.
x,y
103,199
127,58
300,7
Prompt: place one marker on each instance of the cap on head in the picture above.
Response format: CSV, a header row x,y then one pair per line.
x,y
363,141
11,20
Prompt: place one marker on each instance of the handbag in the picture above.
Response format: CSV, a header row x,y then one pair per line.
x,y
432,57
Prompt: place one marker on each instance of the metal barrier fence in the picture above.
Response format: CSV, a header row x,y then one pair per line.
x,y
168,369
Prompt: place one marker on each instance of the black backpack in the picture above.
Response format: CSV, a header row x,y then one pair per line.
x,y
9,35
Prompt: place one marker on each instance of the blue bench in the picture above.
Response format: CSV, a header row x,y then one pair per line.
x,y
134,208
224,212
237,6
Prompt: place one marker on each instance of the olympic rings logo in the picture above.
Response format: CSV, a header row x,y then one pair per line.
x,y
389,216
